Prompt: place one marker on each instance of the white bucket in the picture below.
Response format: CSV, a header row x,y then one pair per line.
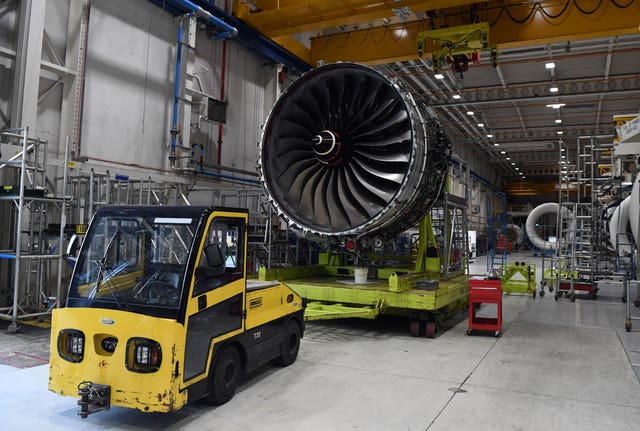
x,y
360,275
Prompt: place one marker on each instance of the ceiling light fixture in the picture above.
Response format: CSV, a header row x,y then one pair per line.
x,y
550,65
495,144
438,76
469,112
513,163
517,168
507,158
489,135
456,96
553,89
558,121
480,124
556,105
503,152
559,132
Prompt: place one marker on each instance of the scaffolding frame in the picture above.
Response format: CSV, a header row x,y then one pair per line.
x,y
581,260
35,203
30,299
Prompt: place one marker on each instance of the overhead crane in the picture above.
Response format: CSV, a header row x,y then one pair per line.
x,y
385,38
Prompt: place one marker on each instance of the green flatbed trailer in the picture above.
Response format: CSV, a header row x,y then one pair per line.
x,y
331,293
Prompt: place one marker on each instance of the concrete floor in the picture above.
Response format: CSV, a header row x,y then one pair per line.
x,y
559,365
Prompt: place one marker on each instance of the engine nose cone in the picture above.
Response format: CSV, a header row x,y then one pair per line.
x,y
327,147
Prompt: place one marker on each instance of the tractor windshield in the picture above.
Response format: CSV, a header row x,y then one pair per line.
x,y
134,263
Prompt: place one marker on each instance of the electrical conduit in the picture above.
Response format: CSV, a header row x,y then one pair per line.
x,y
223,74
228,31
176,95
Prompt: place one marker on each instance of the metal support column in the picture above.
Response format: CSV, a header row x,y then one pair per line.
x,y
24,110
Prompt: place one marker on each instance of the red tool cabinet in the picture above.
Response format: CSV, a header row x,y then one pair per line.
x,y
485,292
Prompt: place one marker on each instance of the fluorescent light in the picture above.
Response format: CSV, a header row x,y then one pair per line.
x,y
513,163
503,152
558,121
489,135
556,105
496,144
438,76
553,89
559,132
562,156
456,96
550,65
562,149
507,158
469,112
480,124
517,168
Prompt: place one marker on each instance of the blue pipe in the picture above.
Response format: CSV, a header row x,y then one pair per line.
x,y
176,95
228,177
7,256
249,38
228,30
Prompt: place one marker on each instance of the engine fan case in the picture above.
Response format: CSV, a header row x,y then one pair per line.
x,y
346,151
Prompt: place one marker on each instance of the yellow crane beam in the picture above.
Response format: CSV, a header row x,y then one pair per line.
x,y
286,17
398,42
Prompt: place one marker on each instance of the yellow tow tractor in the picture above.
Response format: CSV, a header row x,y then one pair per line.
x,y
160,312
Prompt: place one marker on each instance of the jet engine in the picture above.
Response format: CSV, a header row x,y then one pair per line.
x,y
351,156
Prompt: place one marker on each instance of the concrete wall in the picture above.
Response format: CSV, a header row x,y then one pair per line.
x,y
128,95
128,92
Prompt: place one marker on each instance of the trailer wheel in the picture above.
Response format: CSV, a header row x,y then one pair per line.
x,y
414,328
225,376
291,345
431,329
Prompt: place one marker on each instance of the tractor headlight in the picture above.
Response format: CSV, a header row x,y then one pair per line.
x,y
143,355
71,345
